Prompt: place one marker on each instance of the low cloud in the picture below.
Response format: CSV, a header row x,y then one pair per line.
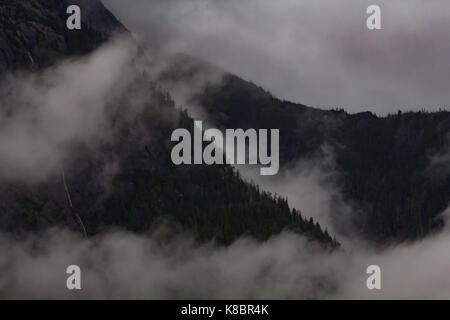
x,y
120,265
439,163
319,54
311,187
45,114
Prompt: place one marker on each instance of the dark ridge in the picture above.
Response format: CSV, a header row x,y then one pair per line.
x,y
33,33
210,202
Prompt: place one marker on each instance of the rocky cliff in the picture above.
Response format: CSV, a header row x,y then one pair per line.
x,y
33,33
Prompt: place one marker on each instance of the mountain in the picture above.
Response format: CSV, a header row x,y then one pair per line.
x,y
387,165
33,33
143,189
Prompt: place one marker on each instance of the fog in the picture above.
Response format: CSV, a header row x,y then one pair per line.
x,y
169,266
66,105
316,53
44,115
311,186
439,166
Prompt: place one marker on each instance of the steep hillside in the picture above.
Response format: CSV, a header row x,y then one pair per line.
x,y
129,181
33,33
385,163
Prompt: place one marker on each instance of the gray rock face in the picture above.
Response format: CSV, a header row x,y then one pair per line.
x,y
33,33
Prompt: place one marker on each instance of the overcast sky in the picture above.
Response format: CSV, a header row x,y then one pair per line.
x,y
319,53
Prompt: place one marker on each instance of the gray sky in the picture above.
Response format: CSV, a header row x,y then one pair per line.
x,y
319,53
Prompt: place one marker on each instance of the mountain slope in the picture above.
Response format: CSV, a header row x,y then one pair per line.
x,y
33,33
385,163
129,180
